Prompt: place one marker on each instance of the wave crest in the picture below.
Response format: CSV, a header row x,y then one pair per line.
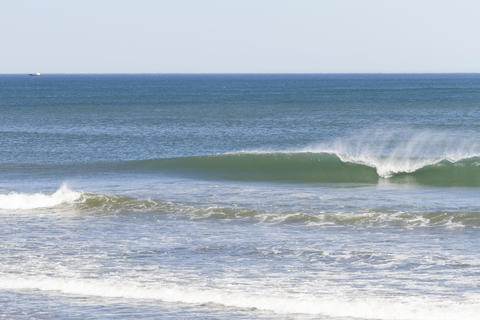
x,y
397,151
25,201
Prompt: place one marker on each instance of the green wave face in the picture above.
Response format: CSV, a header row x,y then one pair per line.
x,y
307,167
286,167
463,173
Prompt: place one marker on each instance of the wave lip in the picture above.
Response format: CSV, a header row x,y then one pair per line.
x,y
25,201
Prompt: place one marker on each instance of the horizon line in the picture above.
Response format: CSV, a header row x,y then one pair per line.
x,y
237,73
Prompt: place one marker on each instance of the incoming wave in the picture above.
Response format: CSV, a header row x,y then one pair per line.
x,y
369,156
67,201
326,167
91,203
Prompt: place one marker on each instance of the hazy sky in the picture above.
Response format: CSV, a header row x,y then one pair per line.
x,y
96,36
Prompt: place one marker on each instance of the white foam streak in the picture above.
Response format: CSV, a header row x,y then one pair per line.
x,y
24,201
407,308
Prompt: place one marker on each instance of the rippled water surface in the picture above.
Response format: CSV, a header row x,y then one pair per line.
x,y
239,196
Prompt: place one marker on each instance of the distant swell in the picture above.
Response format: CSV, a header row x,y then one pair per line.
x,y
326,167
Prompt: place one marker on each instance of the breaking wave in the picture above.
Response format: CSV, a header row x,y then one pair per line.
x,y
326,167
370,156
65,200
23,201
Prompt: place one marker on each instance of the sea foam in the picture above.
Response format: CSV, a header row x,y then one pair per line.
x,y
405,308
24,201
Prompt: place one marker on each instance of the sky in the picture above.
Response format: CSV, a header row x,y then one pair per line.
x,y
243,36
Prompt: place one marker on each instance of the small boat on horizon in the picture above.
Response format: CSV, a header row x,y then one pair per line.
x,y
35,74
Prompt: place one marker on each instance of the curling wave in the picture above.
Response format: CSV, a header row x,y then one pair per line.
x,y
327,167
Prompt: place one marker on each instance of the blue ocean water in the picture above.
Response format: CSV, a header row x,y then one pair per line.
x,y
240,196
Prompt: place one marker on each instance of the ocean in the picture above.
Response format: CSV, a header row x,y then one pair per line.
x,y
242,196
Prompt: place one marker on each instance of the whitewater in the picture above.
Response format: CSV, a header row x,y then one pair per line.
x,y
326,197
332,306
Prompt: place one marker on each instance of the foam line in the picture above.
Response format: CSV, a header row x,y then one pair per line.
x,y
404,308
